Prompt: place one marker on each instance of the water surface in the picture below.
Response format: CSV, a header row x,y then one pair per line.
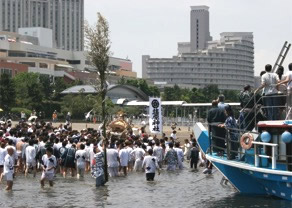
x,y
178,189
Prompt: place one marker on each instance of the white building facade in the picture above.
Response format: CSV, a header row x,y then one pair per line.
x,y
227,63
64,17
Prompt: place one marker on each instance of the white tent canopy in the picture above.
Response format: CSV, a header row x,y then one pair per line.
x,y
174,103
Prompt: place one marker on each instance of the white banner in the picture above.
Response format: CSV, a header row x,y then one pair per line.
x,y
155,118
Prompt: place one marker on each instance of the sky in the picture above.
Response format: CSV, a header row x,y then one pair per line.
x,y
153,27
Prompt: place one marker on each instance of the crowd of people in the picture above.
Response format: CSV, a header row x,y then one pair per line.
x,y
268,102
28,148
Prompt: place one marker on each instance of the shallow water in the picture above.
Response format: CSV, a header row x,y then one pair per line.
x,y
178,189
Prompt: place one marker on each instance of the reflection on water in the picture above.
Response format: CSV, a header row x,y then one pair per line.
x,y
178,189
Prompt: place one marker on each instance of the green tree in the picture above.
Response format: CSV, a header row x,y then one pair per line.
x,y
47,86
29,91
211,92
98,45
7,92
231,95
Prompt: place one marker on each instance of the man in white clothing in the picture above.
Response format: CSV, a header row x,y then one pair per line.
x,y
158,153
112,161
269,82
30,154
124,159
80,156
9,168
150,164
138,154
49,166
180,155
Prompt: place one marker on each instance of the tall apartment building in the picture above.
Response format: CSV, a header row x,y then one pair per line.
x,y
64,17
200,33
227,63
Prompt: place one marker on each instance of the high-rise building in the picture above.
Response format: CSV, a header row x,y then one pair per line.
x,y
64,17
200,33
227,63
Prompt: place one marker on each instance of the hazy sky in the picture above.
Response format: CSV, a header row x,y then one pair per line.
x,y
153,27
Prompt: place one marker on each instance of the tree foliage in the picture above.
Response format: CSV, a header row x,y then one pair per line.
x,y
141,84
29,90
98,46
7,92
194,95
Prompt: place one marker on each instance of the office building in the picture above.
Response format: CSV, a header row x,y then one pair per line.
x,y
64,17
227,63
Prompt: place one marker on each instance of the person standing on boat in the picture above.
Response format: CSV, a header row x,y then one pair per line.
x,y
220,101
215,116
269,82
246,116
171,158
231,125
288,81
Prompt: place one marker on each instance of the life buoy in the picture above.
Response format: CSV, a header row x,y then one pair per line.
x,y
246,141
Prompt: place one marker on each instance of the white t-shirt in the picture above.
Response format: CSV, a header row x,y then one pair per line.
x,y
150,164
49,162
180,154
80,157
173,136
158,152
124,157
8,164
270,80
30,154
3,153
289,74
112,158
138,153
130,150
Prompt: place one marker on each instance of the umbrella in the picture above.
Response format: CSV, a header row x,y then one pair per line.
x,y
32,117
1,110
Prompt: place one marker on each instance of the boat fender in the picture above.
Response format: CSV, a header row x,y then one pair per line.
x,y
246,141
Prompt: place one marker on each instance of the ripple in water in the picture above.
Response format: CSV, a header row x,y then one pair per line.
x,y
177,189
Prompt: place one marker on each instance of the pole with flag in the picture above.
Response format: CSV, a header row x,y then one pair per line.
x,y
155,117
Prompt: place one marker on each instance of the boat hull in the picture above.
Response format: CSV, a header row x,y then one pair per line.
x,y
247,178
253,182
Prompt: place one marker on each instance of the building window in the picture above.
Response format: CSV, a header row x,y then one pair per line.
x,y
6,71
43,65
30,64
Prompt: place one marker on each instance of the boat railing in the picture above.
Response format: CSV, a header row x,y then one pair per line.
x,y
233,150
255,106
258,155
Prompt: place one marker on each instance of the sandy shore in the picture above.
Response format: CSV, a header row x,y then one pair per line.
x,y
183,132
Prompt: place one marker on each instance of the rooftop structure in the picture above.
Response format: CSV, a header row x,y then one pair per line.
x,y
35,52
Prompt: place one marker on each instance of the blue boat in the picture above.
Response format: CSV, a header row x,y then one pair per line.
x,y
259,168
